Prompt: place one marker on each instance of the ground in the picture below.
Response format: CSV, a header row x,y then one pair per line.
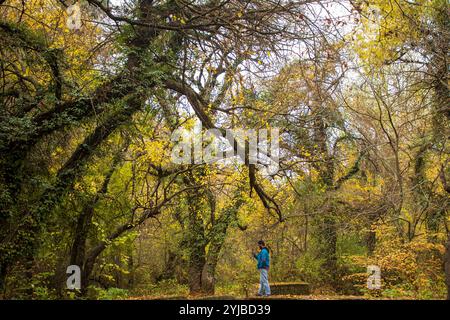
x,y
274,297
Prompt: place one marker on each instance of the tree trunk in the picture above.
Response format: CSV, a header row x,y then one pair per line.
x,y
209,269
208,280
328,242
196,246
78,250
196,263
170,265
130,283
216,240
371,240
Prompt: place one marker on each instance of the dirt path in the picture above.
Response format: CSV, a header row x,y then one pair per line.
x,y
274,297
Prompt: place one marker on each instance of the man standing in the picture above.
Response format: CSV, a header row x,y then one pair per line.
x,y
263,267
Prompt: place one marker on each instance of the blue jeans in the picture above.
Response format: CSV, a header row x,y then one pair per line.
x,y
264,287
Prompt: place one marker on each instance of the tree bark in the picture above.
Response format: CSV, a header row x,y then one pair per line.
x,y
216,240
78,251
196,245
328,242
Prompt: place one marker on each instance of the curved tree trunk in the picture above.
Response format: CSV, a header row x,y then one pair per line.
x,y
78,250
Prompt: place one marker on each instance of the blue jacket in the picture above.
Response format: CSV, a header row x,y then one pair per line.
x,y
263,259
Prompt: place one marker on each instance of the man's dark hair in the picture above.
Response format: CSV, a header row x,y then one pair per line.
x,y
261,243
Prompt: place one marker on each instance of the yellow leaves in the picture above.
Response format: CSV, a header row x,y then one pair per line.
x,y
153,151
406,267
357,191
211,69
386,26
48,18
57,151
177,18
238,98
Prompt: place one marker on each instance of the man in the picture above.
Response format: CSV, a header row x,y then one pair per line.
x,y
263,267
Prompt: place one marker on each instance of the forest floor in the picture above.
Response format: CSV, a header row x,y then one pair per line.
x,y
273,297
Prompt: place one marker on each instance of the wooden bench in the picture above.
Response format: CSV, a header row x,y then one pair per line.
x,y
286,288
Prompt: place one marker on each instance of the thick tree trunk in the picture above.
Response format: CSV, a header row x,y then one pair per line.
x,y
328,242
170,266
196,263
208,284
216,240
196,246
78,251
208,279
327,225
202,264
81,232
